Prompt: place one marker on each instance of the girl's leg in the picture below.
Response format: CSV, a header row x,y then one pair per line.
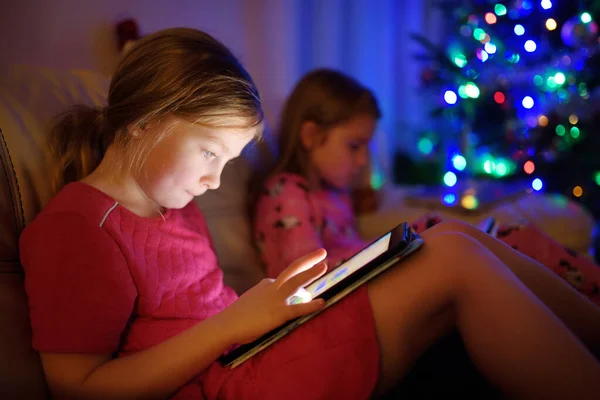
x,y
513,339
576,311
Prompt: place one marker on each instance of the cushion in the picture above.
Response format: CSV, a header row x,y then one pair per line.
x,y
226,215
30,98
562,219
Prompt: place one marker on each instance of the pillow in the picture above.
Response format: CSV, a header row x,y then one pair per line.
x,y
29,99
226,212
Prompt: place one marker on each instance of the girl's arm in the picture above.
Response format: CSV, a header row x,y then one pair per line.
x,y
159,371
153,373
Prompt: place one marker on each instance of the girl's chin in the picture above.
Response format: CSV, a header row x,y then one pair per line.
x,y
339,184
178,203
196,194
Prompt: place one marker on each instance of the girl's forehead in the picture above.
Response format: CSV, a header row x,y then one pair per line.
x,y
359,127
235,138
236,130
230,140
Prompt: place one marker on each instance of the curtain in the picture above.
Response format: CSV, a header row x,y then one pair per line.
x,y
368,39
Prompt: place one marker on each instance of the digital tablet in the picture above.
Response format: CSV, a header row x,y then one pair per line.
x,y
375,258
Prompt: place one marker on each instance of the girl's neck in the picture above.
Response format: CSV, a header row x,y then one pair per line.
x,y
315,182
123,187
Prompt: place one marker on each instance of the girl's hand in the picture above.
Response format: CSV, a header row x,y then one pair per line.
x,y
264,306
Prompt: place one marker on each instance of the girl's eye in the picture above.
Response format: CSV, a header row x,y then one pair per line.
x,y
354,146
208,154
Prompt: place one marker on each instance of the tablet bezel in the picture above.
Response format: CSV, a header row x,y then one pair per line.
x,y
400,237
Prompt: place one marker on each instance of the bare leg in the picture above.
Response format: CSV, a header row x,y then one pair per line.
x,y
575,310
513,339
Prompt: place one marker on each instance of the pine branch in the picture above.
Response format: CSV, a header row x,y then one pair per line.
x,y
437,53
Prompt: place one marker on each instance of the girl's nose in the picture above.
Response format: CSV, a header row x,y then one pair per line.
x,y
212,181
362,157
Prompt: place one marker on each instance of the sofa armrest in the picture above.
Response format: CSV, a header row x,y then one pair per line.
x,y
21,374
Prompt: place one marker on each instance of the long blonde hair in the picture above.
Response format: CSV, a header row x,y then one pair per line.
x,y
324,96
178,72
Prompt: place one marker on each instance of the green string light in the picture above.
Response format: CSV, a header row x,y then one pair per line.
x,y
500,10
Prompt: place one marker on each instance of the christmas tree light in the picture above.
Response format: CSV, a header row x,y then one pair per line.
x,y
519,96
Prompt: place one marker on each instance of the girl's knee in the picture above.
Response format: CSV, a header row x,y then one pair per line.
x,y
453,225
449,265
451,246
452,242
460,254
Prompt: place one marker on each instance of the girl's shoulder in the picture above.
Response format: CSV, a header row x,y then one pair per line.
x,y
76,199
285,182
76,210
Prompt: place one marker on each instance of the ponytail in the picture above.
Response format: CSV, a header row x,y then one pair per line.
x,y
78,142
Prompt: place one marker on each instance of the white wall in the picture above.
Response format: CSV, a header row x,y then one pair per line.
x,y
81,33
277,41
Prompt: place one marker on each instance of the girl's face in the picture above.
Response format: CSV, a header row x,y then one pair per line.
x,y
344,152
189,161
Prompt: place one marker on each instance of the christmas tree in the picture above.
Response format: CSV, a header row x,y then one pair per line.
x,y
515,95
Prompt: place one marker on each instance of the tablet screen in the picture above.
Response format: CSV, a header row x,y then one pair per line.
x,y
340,273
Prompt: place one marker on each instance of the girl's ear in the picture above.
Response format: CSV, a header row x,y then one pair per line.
x,y
134,130
311,135
137,129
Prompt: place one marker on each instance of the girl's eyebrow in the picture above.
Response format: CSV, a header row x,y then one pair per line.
x,y
219,143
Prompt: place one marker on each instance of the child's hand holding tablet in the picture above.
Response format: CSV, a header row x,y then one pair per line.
x,y
336,284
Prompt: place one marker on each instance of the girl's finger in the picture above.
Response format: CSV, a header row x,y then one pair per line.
x,y
299,310
302,279
302,264
300,296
